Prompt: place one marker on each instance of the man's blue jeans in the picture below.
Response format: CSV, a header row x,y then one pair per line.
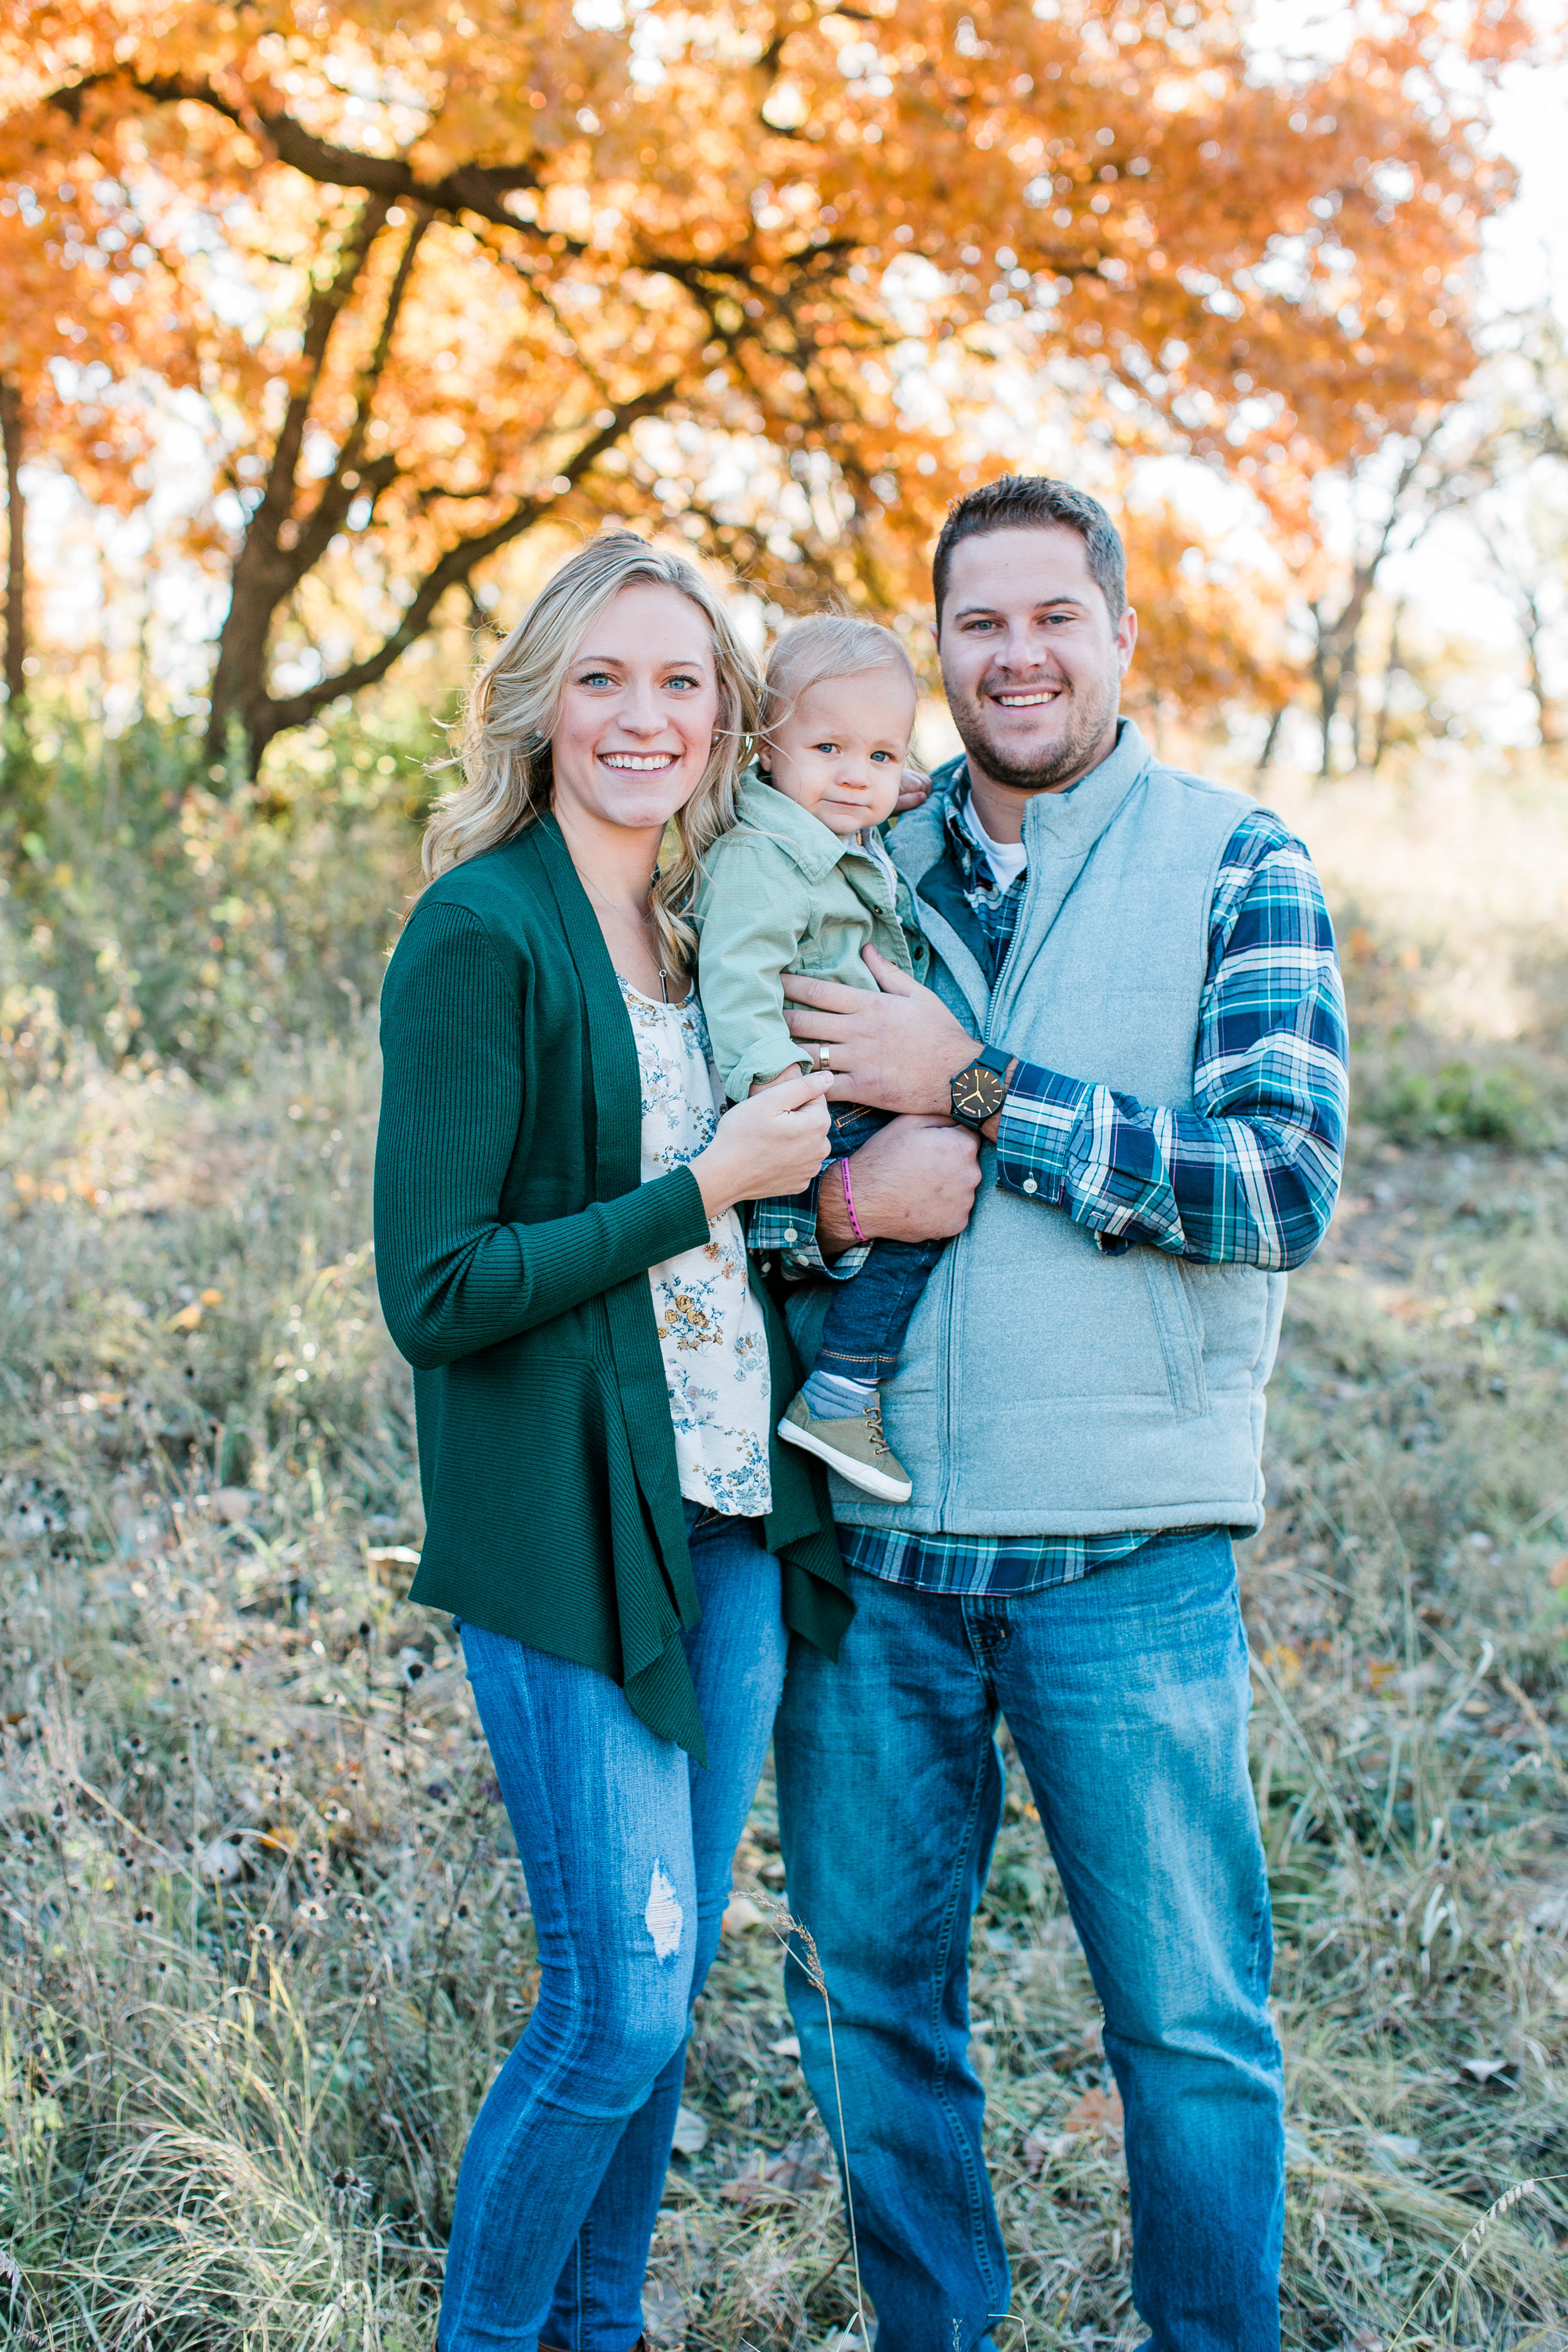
x,y
1126,1695
626,1846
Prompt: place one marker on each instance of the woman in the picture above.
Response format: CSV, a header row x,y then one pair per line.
x,y
596,1383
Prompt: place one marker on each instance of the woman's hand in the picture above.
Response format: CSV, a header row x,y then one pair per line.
x,y
773,1143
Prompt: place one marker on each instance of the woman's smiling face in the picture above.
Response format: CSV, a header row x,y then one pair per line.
x,y
637,716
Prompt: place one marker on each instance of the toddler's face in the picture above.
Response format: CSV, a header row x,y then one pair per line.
x,y
841,750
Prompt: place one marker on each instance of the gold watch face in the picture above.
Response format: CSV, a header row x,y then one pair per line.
x,y
978,1095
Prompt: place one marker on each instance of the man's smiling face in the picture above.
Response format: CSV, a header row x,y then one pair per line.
x,y
1031,659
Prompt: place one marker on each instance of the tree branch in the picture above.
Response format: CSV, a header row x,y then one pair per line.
x,y
472,187
268,715
338,493
321,316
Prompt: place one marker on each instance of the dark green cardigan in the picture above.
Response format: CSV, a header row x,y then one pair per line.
x,y
513,1239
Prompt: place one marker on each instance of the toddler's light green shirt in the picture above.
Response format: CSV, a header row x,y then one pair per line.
x,y
781,893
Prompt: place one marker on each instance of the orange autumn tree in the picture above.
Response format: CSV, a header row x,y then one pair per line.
x,y
54,405
463,270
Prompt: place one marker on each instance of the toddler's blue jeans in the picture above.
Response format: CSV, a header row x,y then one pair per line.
x,y
866,1321
626,1846
1126,1695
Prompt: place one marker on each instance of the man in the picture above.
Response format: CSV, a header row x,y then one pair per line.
x,y
1138,1010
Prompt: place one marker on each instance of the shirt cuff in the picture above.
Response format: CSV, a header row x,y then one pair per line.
x,y
785,1231
765,1061
1035,1132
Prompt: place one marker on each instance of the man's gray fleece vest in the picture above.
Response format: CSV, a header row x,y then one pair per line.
x,y
1046,1387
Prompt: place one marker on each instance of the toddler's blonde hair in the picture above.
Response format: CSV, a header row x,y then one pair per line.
x,y
828,646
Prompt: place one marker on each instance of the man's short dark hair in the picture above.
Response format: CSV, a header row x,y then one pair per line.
x,y
1030,502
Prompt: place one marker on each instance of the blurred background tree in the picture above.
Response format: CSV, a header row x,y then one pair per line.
x,y
431,285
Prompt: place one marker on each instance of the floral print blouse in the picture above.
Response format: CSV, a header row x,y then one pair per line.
x,y
709,1326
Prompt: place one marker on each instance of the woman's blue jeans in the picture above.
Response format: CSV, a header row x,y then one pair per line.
x,y
1126,1695
626,1846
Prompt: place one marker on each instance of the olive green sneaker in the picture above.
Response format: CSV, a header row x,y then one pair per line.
x,y
858,1449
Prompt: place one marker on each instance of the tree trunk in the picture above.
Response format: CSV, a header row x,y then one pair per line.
x,y
1390,672
263,578
1265,757
15,556
279,545
1547,719
1326,676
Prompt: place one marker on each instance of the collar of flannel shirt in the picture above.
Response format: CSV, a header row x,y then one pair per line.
x,y
995,910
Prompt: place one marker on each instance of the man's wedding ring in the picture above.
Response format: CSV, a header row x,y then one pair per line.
x,y
824,1057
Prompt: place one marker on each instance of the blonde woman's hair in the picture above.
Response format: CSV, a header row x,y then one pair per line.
x,y
828,646
514,705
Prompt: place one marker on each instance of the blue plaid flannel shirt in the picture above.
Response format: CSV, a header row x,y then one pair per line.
x,y
1247,1176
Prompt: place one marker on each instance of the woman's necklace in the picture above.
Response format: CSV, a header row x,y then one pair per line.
x,y
647,927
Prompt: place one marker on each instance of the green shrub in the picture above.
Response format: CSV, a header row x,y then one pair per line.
x,y
169,910
1458,1103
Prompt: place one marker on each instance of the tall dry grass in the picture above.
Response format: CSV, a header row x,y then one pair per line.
x,y
264,1935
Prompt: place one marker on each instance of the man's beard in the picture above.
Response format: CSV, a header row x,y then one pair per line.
x,y
1069,756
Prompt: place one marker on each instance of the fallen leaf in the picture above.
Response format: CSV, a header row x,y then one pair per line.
x,y
741,1916
1558,1573
1095,2111
403,1555
690,2132
1381,1673
663,2310
187,1319
1485,2069
788,2047
212,1299
234,1505
771,2180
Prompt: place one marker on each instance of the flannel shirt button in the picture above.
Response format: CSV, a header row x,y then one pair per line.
x,y
767,1265
790,1233
1030,1186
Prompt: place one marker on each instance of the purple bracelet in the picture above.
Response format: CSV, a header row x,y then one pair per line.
x,y
850,1201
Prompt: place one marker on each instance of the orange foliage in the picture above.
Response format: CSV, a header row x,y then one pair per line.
x,y
1209,635
445,278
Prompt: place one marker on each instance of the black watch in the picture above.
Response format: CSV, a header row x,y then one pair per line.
x,y
979,1088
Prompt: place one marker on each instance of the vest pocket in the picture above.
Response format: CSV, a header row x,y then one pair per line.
x,y
1181,1334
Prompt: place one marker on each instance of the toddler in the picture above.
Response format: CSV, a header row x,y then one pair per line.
x,y
801,884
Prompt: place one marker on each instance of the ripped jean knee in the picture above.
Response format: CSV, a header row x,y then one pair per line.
x,y
664,1918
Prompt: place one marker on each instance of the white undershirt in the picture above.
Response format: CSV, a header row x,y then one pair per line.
x,y
872,844
1006,858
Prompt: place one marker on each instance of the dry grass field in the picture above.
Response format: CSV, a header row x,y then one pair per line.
x,y
265,1935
